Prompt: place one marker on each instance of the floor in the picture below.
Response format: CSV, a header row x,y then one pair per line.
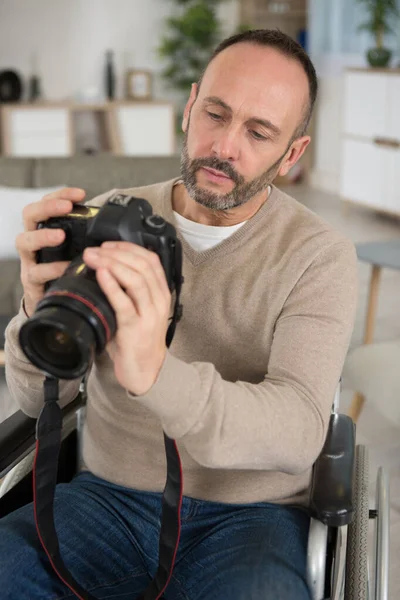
x,y
380,435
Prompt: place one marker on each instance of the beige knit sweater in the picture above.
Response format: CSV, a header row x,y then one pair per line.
x,y
247,386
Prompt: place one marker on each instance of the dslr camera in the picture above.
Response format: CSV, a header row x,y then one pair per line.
x,y
74,320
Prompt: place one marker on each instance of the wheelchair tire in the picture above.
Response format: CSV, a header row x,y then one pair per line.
x,y
356,578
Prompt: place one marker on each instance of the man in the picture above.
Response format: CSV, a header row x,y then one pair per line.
x,y
247,386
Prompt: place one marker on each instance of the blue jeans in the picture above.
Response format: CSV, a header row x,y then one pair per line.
x,y
109,540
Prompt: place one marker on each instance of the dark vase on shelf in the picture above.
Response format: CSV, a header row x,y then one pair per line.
x,y
379,57
34,89
110,76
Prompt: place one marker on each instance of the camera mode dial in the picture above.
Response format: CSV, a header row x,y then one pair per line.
x,y
155,223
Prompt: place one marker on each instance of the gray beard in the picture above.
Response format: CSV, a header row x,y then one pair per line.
x,y
242,192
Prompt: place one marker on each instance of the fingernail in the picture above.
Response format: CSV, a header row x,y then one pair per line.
x,y
109,244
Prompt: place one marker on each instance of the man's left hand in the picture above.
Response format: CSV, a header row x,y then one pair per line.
x,y
134,282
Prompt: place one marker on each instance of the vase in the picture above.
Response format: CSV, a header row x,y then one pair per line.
x,y
379,57
109,76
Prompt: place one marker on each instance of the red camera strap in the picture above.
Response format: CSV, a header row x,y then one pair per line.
x,y
48,436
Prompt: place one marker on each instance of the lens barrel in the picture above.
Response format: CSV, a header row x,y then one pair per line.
x,y
72,322
59,342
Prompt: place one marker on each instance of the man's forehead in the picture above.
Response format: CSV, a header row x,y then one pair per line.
x,y
250,54
260,65
251,76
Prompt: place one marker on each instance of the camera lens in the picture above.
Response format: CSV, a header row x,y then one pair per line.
x,y
59,342
72,322
56,346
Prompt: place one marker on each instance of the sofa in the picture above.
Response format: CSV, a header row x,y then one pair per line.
x,y
95,174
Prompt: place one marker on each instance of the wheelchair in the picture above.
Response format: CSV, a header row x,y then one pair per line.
x,y
338,566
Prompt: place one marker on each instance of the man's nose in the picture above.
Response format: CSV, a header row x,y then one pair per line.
x,y
226,145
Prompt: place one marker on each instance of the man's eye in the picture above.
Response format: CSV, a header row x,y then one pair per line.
x,y
214,116
257,136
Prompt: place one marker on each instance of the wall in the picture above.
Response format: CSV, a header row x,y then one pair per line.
x,y
70,37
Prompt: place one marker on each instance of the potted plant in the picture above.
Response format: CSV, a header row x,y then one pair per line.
x,y
191,34
381,16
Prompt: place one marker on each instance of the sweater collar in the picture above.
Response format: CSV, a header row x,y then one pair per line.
x,y
227,245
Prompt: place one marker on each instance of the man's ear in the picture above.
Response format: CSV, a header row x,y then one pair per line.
x,y
188,107
294,153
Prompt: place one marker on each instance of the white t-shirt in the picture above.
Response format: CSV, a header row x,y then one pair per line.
x,y
203,237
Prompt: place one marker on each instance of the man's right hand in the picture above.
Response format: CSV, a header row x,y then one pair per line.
x,y
33,275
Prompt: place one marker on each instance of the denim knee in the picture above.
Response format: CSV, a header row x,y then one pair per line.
x,y
24,569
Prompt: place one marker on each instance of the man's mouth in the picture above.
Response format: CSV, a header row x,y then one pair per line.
x,y
219,175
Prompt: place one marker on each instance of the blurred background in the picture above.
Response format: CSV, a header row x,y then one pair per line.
x,y
92,93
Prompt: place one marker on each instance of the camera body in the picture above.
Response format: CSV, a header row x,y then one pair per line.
x,y
122,218
74,319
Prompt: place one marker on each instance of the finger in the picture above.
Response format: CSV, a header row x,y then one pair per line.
x,y
68,193
40,274
52,205
29,242
151,258
44,209
133,283
122,304
159,292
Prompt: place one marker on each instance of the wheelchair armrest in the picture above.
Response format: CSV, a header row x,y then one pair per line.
x,y
17,434
332,479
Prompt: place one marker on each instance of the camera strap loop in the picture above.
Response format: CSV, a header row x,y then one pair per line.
x,y
177,314
48,443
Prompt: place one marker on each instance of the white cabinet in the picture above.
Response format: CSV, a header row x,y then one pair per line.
x,y
393,182
362,171
393,108
38,120
39,132
370,157
146,129
365,96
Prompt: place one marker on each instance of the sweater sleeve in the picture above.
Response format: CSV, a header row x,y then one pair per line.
x,y
279,424
24,380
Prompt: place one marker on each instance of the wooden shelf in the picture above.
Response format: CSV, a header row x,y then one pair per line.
x,y
123,127
387,70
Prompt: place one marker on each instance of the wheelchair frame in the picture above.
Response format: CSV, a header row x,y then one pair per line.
x,y
337,556
337,561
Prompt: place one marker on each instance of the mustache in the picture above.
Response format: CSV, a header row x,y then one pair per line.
x,y
219,165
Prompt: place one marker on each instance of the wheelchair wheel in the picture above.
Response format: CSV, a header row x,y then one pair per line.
x,y
356,578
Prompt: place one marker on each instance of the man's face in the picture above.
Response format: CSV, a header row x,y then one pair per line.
x,y
239,125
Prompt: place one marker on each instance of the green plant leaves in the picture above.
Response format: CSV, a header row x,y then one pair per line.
x,y
191,36
381,15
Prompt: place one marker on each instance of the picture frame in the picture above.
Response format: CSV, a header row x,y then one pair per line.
x,y
138,84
